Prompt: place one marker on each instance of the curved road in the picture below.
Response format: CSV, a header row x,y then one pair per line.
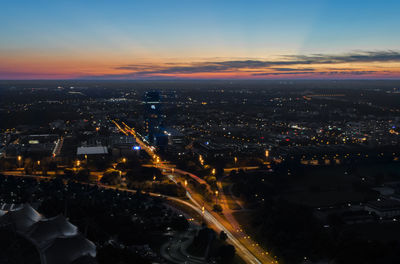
x,y
249,250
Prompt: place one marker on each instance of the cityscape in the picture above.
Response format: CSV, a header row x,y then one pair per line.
x,y
170,144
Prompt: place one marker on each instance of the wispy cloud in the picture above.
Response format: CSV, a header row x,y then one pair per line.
x,y
317,73
284,65
292,69
355,57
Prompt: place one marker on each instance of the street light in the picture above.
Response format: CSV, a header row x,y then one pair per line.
x,y
185,183
267,153
78,163
19,158
201,160
213,171
216,197
123,160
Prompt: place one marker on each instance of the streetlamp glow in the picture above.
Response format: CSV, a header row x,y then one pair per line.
x,y
201,160
19,158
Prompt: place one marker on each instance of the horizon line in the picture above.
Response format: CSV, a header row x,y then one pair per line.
x,y
215,79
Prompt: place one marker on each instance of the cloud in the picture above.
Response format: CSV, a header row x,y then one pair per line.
x,y
282,73
317,73
286,64
292,69
208,67
355,57
133,67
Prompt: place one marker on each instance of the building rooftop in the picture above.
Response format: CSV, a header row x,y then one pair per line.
x,y
56,239
92,150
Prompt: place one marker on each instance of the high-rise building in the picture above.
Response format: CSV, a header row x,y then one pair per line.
x,y
152,115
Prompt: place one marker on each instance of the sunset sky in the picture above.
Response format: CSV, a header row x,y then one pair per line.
x,y
199,39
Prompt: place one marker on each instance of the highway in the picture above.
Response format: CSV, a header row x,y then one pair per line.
x,y
246,248
207,216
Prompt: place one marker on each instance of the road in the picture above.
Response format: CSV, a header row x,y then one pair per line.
x,y
175,249
246,248
58,146
208,217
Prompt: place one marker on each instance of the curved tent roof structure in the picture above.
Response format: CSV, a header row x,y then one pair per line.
x,y
10,207
2,212
22,218
56,239
46,230
65,250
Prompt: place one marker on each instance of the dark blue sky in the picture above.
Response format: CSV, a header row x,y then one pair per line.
x,y
70,38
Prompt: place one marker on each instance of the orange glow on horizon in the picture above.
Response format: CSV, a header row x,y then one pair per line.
x,y
107,66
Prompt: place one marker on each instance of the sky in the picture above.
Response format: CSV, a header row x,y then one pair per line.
x,y
199,39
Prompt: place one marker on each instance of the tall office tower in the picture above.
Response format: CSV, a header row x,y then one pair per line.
x,y
152,115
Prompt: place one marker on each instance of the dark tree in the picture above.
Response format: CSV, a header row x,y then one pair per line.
x,y
223,236
226,253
